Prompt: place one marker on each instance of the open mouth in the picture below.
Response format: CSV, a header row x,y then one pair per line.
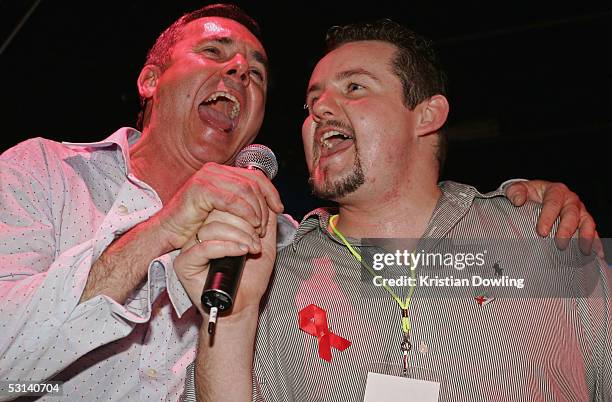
x,y
334,141
220,110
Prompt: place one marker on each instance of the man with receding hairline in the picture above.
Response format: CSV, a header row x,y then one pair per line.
x,y
87,291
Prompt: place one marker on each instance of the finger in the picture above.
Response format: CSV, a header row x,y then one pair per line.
x,y
220,216
191,266
230,219
242,203
268,190
250,178
552,203
567,225
201,254
270,238
262,205
586,231
585,244
598,246
265,217
223,231
241,182
517,193
193,263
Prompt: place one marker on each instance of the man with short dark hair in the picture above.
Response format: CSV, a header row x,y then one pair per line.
x,y
327,332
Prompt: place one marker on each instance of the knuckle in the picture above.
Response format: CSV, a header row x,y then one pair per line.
x,y
573,198
242,185
256,187
230,198
571,211
554,203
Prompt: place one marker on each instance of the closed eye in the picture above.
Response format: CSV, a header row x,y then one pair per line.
x,y
213,51
257,73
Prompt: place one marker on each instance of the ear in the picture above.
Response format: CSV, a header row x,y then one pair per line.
x,y
432,115
148,80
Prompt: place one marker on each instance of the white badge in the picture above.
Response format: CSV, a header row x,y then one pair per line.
x,y
388,388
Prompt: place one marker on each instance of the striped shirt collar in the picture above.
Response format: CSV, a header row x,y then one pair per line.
x,y
454,203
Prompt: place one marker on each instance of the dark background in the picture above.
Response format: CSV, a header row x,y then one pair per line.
x,y
530,83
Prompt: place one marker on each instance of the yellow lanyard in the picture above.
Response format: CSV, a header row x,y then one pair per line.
x,y
404,306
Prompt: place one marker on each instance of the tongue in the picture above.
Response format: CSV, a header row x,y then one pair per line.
x,y
337,144
215,118
335,141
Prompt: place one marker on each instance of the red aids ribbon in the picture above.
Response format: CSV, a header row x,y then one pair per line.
x,y
313,321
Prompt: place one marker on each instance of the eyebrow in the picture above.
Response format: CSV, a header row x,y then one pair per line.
x,y
343,75
255,54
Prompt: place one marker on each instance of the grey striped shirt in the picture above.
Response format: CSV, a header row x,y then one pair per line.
x,y
546,343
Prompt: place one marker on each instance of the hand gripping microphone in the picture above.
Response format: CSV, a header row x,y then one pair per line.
x,y
224,273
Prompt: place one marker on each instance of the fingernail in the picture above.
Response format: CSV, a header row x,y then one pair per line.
x,y
243,247
541,232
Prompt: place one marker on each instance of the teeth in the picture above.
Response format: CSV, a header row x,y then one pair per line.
x,y
330,134
236,105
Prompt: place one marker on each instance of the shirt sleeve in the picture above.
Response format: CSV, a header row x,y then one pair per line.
x,y
44,328
604,381
189,394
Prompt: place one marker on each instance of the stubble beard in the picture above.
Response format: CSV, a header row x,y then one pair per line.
x,y
339,188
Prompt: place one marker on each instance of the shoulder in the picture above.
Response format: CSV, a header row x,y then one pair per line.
x,y
32,149
36,158
37,154
493,213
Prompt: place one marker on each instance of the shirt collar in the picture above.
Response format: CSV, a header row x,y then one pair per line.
x,y
317,218
453,204
124,138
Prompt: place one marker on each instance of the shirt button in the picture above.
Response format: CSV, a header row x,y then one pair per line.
x,y
122,209
423,348
152,373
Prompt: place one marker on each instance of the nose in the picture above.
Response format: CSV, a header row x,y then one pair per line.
x,y
237,69
324,107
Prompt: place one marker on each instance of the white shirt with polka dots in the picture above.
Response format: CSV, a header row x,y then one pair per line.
x,y
61,206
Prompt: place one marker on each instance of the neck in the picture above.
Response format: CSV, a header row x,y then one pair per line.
x,y
403,214
155,164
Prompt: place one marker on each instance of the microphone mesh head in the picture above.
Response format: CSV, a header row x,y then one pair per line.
x,y
260,157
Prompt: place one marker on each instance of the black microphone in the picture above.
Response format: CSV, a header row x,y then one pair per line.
x,y
224,273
